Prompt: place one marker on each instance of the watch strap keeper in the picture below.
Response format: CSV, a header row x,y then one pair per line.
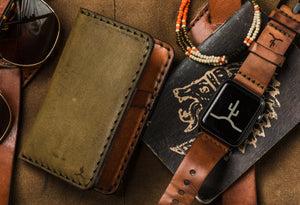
x,y
268,52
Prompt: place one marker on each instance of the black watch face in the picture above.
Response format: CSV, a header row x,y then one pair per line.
x,y
232,113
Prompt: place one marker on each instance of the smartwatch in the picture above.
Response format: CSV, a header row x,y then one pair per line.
x,y
232,113
235,108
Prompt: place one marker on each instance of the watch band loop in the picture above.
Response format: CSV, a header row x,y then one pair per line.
x,y
286,20
267,54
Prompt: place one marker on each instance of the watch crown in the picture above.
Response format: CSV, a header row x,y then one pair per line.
x,y
260,117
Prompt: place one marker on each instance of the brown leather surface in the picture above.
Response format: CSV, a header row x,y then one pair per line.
x,y
210,17
10,87
260,65
135,119
28,73
200,27
277,173
3,6
205,152
243,191
221,10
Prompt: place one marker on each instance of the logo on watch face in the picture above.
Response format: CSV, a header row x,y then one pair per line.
x,y
233,112
193,96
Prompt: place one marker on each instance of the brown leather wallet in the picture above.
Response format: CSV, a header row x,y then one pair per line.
x,y
256,72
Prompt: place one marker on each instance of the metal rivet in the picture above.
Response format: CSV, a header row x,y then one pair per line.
x,y
186,182
192,172
180,192
175,201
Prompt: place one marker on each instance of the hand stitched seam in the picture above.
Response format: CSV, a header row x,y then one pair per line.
x,y
198,18
141,122
251,80
288,16
280,30
140,35
215,142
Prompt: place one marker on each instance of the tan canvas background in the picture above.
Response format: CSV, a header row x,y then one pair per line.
x,y
277,172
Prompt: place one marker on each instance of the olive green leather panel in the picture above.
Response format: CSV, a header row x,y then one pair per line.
x,y
91,88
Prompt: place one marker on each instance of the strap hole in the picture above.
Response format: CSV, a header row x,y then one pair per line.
x,y
186,182
180,192
192,172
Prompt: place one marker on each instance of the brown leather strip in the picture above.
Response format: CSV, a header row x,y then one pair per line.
x,y
3,5
135,118
221,10
256,72
210,17
200,28
28,73
10,87
291,23
267,54
288,11
243,191
121,151
205,152
141,99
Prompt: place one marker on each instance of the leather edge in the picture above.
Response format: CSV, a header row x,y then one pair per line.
x,y
161,77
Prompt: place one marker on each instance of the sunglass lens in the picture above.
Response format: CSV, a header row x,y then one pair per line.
x,y
5,117
29,36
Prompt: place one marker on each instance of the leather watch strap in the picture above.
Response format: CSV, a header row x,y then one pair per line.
x,y
255,73
267,53
205,152
10,86
200,28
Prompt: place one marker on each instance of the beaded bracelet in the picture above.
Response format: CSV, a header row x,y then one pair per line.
x,y
192,52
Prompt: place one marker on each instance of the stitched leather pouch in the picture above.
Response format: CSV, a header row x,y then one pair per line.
x,y
100,96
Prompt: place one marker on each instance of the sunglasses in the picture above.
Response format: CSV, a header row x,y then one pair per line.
x,y
29,31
